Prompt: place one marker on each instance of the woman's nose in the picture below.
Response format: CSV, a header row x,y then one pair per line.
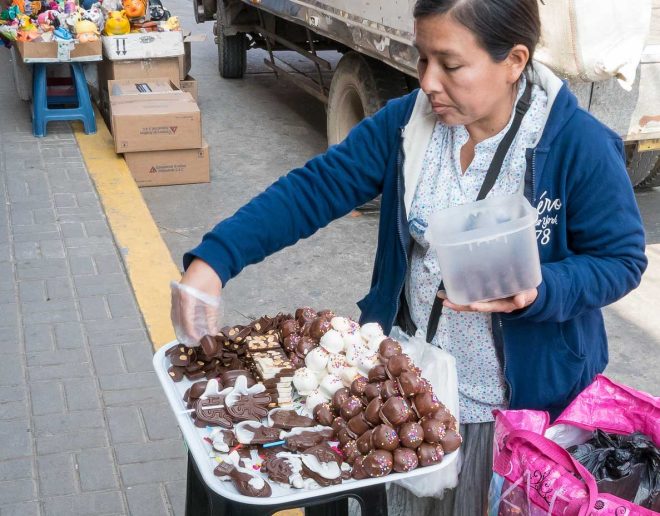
x,y
430,80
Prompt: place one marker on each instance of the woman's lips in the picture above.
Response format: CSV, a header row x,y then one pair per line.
x,y
440,108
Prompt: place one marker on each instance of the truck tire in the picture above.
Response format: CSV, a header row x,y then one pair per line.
x,y
232,52
640,164
652,180
360,86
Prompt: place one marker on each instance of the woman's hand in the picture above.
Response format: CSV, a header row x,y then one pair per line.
x,y
196,303
505,305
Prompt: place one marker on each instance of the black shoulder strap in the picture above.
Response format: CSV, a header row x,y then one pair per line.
x,y
522,106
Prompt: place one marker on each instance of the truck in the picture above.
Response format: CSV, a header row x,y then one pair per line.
x,y
379,62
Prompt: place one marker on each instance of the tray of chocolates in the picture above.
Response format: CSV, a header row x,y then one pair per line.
x,y
295,406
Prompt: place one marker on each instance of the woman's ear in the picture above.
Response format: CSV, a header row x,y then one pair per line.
x,y
517,61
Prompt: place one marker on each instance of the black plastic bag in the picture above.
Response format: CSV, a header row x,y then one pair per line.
x,y
627,466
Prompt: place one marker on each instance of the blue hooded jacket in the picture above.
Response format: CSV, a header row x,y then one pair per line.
x,y
590,237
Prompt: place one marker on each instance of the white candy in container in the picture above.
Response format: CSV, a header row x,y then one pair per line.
x,y
486,249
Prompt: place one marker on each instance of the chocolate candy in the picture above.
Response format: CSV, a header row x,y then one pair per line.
x,y
223,440
404,460
388,348
350,451
344,435
305,314
373,390
429,454
288,328
359,385
384,437
211,411
372,412
350,408
322,464
176,373
409,384
324,414
197,389
290,343
301,438
296,360
389,389
377,374
338,423
305,345
443,415
249,483
283,469
395,411
398,364
434,430
209,345
326,314
243,403
358,424
425,403
378,463
252,433
364,442
319,327
411,435
340,396
359,472
451,441
288,419
228,378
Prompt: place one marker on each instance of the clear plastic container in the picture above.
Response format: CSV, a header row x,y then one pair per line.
x,y
487,249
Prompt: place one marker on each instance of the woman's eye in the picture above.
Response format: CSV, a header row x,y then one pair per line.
x,y
451,68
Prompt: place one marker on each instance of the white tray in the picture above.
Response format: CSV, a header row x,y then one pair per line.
x,y
281,494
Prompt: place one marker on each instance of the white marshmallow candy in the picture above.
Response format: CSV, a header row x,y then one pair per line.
x,y
305,380
352,339
332,341
366,363
374,343
314,398
341,324
330,384
353,353
337,363
371,330
348,375
317,359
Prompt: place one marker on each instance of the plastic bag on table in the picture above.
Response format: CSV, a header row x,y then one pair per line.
x,y
194,313
439,368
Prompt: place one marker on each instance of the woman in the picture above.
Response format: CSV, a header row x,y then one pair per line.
x,y
430,150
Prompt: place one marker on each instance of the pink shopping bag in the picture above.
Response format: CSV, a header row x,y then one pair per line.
x,y
535,476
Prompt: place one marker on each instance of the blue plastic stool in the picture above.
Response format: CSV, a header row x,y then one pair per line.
x,y
42,113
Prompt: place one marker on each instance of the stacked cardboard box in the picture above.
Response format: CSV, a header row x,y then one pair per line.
x,y
151,104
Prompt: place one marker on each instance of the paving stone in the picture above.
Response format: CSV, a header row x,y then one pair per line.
x,y
59,288
96,470
69,335
112,337
47,398
82,265
17,491
55,424
176,494
108,360
146,500
81,394
22,509
13,402
128,381
15,469
138,397
39,337
32,290
160,422
72,229
62,356
155,471
94,308
63,311
57,474
137,356
125,425
108,263
52,249
98,228
54,372
98,503
16,439
11,371
128,453
71,442
27,251
8,314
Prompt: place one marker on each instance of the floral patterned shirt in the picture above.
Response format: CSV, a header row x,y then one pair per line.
x,y
466,335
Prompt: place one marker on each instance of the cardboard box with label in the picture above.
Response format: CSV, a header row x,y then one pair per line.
x,y
145,45
140,69
153,115
189,84
174,167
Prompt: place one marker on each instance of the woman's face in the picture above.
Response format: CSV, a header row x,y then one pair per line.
x,y
463,83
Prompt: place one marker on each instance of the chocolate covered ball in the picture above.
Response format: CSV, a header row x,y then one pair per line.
x,y
350,451
443,415
395,411
324,414
319,327
359,385
434,430
291,342
429,454
297,361
389,389
344,435
399,363
364,442
384,437
425,385
378,463
388,348
338,423
404,460
409,384
372,412
425,403
373,390
411,435
377,374
288,328
305,314
340,396
359,472
358,424
305,345
350,408
451,441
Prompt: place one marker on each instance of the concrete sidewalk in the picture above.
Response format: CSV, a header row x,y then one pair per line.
x,y
85,425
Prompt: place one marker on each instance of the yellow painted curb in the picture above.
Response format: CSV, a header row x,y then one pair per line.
x,y
146,257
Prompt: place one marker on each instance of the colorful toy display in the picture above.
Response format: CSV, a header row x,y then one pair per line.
x,y
117,23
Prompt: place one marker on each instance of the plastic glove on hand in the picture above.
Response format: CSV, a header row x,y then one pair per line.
x,y
194,313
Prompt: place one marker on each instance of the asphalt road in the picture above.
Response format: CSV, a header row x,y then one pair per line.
x,y
260,128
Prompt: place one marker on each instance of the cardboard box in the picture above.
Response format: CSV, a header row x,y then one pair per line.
x,y
174,167
189,85
58,51
142,69
185,60
149,117
143,45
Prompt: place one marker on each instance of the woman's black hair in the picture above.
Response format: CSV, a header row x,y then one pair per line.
x,y
499,25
